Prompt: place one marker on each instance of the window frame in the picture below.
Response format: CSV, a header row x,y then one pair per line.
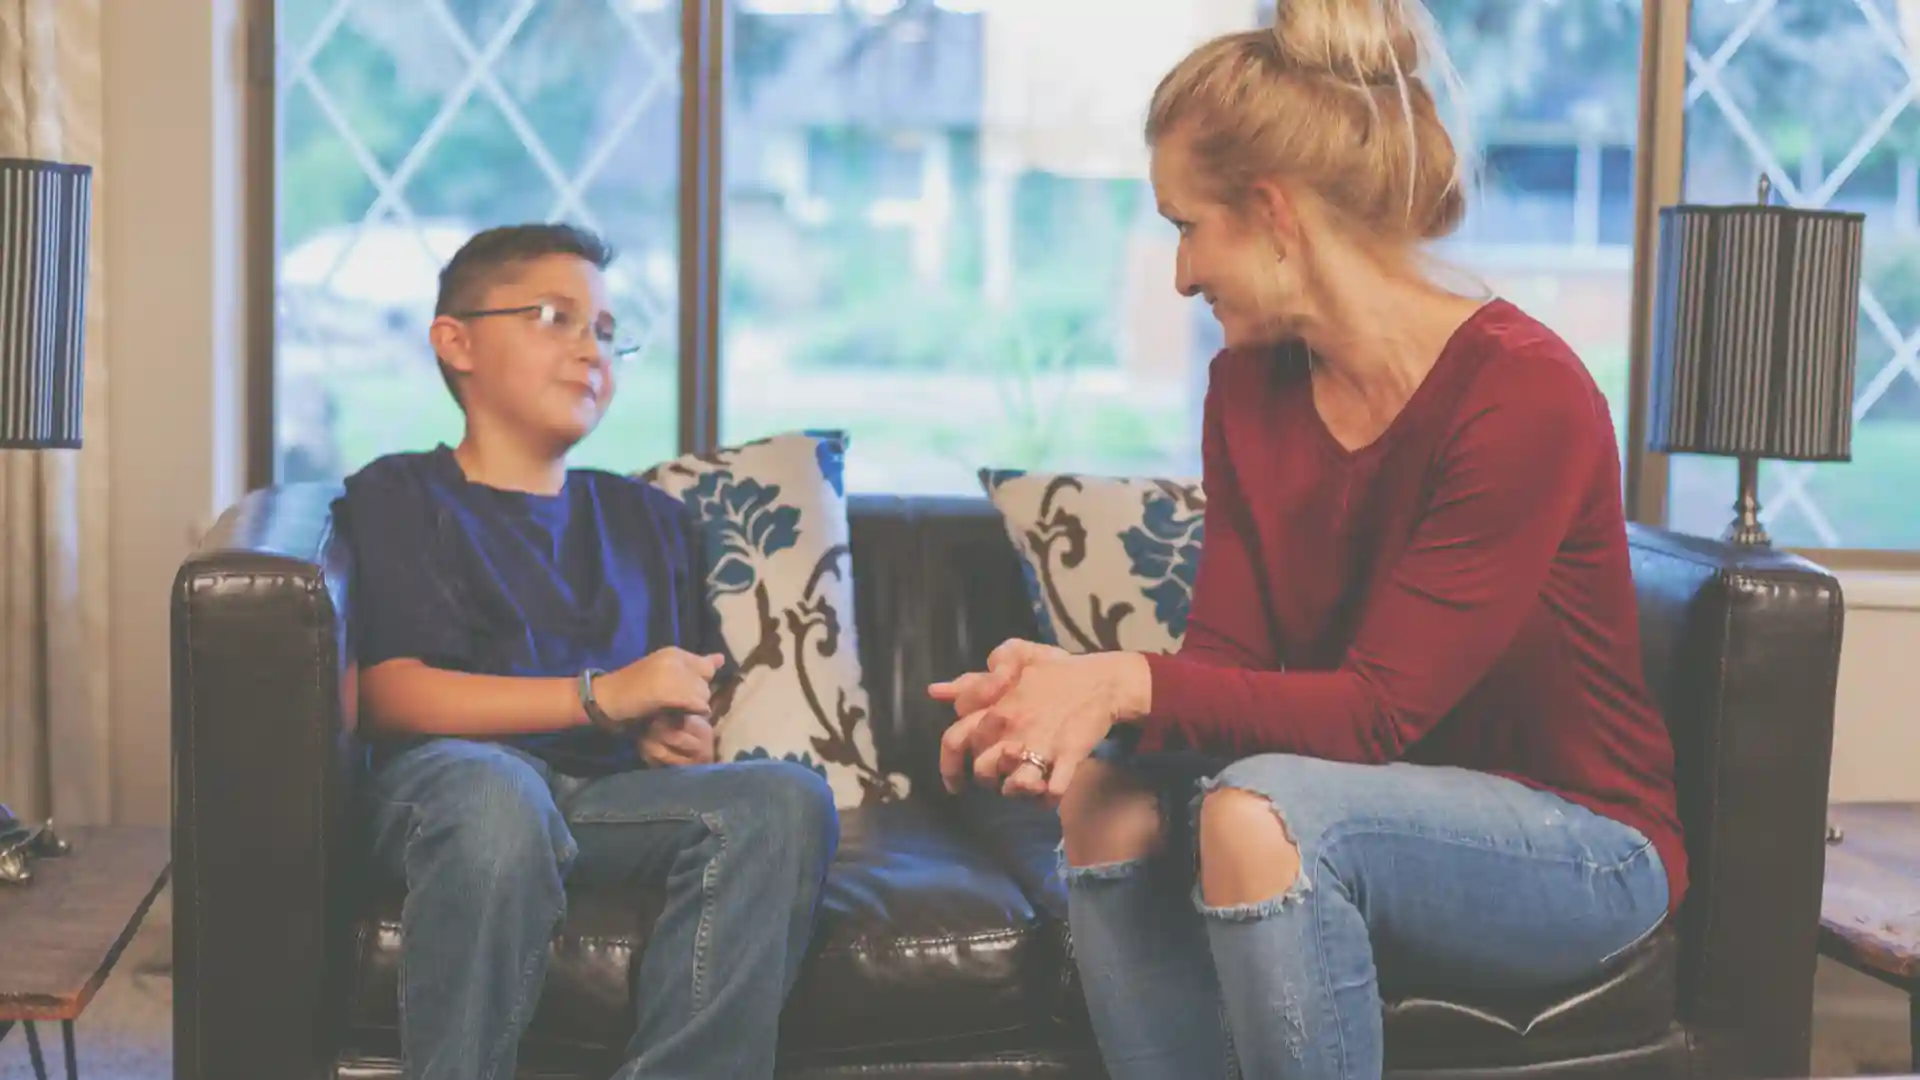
x,y
1658,167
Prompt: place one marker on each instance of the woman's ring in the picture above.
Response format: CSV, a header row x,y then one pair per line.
x,y
1038,761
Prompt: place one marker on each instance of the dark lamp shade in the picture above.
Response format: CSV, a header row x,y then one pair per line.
x,y
1755,331
45,215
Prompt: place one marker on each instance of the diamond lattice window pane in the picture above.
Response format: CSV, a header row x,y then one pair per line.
x,y
481,20
1820,95
941,235
408,125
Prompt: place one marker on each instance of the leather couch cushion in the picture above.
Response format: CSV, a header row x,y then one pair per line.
x,y
1632,1004
923,944
924,941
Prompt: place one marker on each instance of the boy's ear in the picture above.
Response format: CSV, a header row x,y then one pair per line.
x,y
449,338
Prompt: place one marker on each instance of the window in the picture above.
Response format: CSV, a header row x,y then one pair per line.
x,y
405,126
940,237
936,232
1818,93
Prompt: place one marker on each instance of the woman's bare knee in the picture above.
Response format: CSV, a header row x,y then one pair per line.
x,y
1246,856
1109,815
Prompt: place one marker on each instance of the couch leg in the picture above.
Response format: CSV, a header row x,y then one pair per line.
x,y
1913,1028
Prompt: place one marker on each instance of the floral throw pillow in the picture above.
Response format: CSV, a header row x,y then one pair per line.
x,y
773,513
1109,561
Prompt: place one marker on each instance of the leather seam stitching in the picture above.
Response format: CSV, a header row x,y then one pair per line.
x,y
896,947
192,755
389,926
1708,921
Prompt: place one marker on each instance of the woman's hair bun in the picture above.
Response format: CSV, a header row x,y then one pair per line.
x,y
1337,95
1365,42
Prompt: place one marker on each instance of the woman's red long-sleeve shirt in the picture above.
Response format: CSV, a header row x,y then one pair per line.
x,y
1457,592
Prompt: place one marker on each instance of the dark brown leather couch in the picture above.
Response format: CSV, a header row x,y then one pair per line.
x,y
942,951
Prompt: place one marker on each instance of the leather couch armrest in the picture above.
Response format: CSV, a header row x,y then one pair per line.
x,y
264,757
1743,650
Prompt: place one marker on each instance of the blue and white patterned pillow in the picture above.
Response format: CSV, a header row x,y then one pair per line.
x,y
1109,561
780,576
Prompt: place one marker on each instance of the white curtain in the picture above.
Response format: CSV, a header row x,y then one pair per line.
x,y
53,504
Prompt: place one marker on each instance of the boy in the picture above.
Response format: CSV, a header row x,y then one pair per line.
x,y
537,665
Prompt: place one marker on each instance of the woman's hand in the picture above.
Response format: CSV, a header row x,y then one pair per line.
x,y
977,690
1058,710
683,739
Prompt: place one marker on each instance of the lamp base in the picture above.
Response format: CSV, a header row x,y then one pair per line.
x,y
1745,528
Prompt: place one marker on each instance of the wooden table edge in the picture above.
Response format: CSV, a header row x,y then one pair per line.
x,y
1848,949
1859,946
33,1010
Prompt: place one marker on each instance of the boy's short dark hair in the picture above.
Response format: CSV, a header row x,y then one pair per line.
x,y
481,261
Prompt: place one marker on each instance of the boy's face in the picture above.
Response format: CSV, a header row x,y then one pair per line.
x,y
546,372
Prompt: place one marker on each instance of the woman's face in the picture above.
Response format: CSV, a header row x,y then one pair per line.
x,y
1226,255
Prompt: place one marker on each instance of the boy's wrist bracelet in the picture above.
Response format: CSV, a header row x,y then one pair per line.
x,y
591,705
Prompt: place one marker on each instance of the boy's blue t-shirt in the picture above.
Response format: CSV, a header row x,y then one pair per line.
x,y
477,579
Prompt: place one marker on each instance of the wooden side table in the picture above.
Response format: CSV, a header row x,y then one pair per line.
x,y
1870,902
62,932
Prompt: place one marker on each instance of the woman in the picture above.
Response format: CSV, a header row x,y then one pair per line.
x,y
1407,731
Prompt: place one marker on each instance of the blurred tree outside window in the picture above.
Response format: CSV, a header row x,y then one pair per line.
x,y
937,231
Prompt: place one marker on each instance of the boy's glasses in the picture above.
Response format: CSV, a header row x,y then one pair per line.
x,y
564,323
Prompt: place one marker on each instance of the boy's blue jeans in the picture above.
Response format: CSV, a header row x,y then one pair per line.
x,y
1443,878
484,835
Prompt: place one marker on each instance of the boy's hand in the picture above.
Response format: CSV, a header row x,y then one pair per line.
x,y
670,680
670,739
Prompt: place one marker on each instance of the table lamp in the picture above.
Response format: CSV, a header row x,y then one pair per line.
x,y
45,217
1755,328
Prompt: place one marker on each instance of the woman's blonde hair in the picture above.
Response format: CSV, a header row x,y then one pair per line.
x,y
1336,97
